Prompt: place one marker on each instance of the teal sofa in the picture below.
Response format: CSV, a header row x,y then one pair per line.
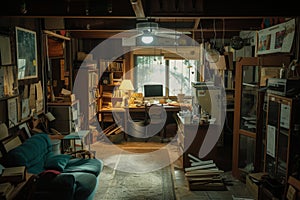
x,y
60,176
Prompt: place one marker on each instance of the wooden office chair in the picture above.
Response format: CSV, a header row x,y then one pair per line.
x,y
155,120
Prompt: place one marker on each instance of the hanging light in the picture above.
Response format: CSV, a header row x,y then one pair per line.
x,y
211,54
23,8
147,39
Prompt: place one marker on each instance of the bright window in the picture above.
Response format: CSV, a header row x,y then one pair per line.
x,y
175,75
181,74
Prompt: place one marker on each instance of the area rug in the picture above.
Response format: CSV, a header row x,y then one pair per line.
x,y
116,184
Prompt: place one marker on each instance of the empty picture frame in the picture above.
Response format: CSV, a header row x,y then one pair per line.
x,y
5,50
26,53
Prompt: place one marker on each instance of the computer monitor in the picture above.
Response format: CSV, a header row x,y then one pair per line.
x,y
153,90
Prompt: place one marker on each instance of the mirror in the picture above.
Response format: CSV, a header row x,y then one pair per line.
x,y
26,53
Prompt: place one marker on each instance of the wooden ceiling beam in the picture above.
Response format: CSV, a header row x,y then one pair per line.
x,y
104,34
138,9
197,22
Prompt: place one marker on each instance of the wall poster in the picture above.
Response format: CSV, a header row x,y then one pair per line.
x,y
276,39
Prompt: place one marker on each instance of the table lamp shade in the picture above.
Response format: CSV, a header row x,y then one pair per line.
x,y
126,85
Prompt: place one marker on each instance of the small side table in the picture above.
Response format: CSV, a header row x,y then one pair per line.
x,y
73,136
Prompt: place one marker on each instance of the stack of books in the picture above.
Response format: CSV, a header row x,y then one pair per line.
x,y
6,190
9,180
204,175
13,175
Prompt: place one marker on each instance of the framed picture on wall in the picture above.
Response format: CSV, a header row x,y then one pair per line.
x,y
26,53
276,39
12,110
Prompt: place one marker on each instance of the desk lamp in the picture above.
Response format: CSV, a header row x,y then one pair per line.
x,y
126,86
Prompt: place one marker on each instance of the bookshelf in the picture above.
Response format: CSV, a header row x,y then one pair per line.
x,y
109,83
87,92
59,61
281,141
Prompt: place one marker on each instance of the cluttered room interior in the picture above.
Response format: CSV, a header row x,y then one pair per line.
x,y
143,99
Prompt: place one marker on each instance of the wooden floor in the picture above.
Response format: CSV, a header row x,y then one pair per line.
x,y
235,188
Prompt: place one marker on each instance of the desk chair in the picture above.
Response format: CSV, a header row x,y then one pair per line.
x,y
155,120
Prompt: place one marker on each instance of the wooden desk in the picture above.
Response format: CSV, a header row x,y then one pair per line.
x,y
123,114
190,139
134,109
138,109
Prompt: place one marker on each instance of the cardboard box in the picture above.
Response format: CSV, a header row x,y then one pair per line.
x,y
69,98
254,186
269,72
56,48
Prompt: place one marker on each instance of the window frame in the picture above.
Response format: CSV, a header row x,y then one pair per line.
x,y
167,73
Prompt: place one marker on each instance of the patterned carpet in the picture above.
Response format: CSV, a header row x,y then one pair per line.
x,y
115,183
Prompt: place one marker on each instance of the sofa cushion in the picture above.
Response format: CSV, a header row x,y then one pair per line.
x,y
76,176
57,162
85,185
93,166
32,153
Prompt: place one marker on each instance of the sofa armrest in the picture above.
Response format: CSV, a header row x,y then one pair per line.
x,y
66,186
53,186
85,185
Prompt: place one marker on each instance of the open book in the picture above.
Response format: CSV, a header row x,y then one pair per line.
x,y
13,174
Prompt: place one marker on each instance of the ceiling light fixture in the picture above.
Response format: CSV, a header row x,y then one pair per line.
x,y
147,39
23,8
212,55
133,1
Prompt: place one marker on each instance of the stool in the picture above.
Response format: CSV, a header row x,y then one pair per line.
x,y
55,146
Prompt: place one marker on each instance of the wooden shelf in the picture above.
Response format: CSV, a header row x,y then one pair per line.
x,y
280,160
107,95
